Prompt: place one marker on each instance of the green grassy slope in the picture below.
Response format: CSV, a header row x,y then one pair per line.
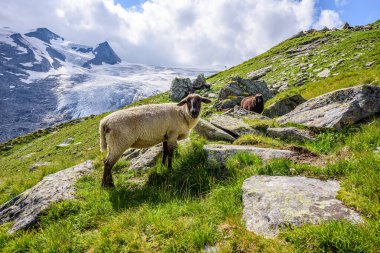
x,y
196,206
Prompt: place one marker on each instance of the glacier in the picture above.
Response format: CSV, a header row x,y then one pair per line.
x,y
45,80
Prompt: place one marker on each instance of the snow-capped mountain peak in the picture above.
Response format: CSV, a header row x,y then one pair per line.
x,y
44,34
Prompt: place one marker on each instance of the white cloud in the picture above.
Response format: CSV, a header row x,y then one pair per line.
x,y
328,18
176,33
341,2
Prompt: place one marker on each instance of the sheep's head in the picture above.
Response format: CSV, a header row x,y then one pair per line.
x,y
194,104
259,99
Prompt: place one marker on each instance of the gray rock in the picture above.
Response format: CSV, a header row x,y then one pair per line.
x,y
234,126
146,158
228,103
180,88
345,26
324,73
325,29
199,82
212,95
217,154
279,87
244,87
239,112
212,133
283,106
290,133
338,108
369,64
257,74
273,202
66,142
37,165
25,208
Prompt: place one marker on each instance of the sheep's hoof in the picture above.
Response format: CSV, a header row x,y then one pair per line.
x,y
108,185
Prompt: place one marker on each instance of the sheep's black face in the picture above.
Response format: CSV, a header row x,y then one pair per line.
x,y
194,104
259,99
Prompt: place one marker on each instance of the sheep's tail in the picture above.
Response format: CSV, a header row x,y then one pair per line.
x,y
103,129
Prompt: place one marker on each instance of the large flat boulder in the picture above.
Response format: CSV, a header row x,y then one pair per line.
x,y
25,208
290,133
218,154
338,108
273,202
211,132
283,106
235,126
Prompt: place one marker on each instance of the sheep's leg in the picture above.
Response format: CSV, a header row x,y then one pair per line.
x,y
109,162
165,152
171,146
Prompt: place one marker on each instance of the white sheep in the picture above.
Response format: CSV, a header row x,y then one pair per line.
x,y
145,126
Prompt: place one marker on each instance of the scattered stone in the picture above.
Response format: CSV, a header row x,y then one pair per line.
x,y
300,81
283,106
212,133
324,73
66,142
274,202
325,29
234,126
180,88
279,87
377,150
338,108
369,64
336,63
26,156
210,249
146,158
257,74
290,133
199,82
218,154
78,143
212,95
239,112
228,103
25,208
305,48
37,165
345,26
300,34
244,87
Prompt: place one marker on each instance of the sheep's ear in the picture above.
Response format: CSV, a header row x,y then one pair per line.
x,y
182,102
205,100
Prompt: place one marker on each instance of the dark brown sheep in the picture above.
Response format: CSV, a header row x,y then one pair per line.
x,y
253,103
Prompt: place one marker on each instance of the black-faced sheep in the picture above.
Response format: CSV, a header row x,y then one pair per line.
x,y
145,126
253,103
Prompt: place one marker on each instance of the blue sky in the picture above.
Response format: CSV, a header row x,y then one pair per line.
x,y
355,12
185,33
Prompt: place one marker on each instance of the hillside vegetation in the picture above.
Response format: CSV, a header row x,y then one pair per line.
x,y
196,207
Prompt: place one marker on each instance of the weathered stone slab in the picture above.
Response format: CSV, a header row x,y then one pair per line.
x,y
217,154
211,132
290,133
25,208
338,108
257,74
273,202
283,106
232,125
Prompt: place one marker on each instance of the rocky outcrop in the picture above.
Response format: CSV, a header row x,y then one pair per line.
x,y
273,202
338,108
345,26
234,126
257,74
212,133
324,73
145,158
290,133
25,208
200,83
238,88
283,106
217,154
180,88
